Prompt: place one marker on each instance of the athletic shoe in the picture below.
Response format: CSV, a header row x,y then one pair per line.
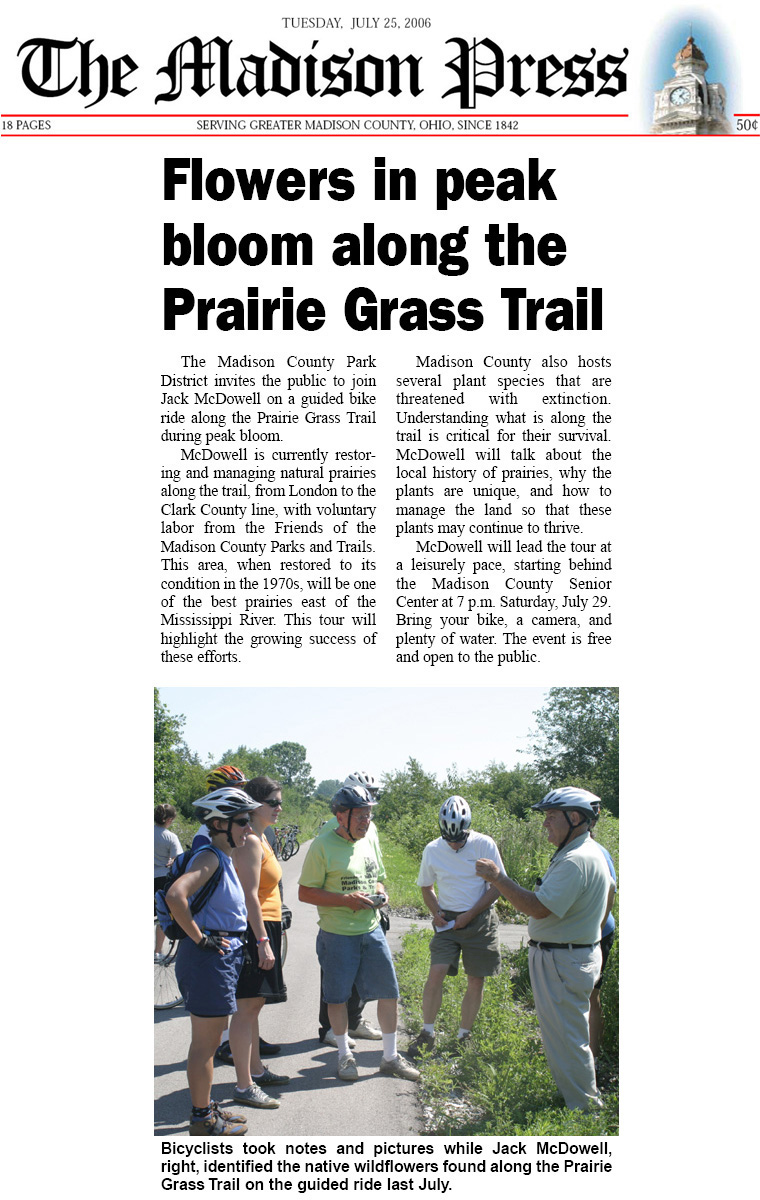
x,y
253,1097
330,1040
423,1042
347,1068
228,1116
269,1079
399,1067
223,1053
217,1124
365,1030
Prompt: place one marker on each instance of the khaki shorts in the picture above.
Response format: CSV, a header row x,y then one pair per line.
x,y
478,943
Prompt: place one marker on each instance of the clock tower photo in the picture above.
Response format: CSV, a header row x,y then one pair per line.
x,y
688,103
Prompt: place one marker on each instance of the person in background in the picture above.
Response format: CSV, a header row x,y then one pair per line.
x,y
166,847
358,1025
344,878
565,918
210,956
261,981
456,897
595,1017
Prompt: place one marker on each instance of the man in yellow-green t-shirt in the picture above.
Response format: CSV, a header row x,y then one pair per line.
x,y
343,875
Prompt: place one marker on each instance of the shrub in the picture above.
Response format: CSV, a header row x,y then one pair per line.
x,y
500,1084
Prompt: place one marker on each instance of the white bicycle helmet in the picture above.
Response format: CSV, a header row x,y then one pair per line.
x,y
224,803
567,800
454,819
362,779
574,798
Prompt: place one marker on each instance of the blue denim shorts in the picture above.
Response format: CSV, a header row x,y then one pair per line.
x,y
208,981
362,959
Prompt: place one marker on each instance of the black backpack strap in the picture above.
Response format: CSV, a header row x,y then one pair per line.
x,y
204,894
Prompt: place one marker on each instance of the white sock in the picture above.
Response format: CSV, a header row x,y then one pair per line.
x,y
389,1046
429,1029
462,1033
342,1040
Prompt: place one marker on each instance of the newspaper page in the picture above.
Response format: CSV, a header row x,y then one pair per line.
x,y
373,377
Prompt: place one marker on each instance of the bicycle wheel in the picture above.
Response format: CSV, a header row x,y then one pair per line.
x,y
296,846
284,947
287,850
166,993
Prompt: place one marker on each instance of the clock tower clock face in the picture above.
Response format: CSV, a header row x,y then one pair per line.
x,y
687,105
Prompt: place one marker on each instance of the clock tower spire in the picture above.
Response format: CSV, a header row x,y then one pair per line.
x,y
688,104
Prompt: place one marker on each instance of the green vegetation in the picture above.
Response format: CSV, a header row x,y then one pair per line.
x,y
328,787
179,777
407,817
579,730
401,868
410,799
500,1084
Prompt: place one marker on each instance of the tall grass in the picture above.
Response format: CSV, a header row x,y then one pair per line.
x,y
501,1084
401,869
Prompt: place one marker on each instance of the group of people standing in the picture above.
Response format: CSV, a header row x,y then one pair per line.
x,y
229,964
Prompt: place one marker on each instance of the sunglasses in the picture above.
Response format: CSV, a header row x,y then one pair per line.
x,y
273,803
241,821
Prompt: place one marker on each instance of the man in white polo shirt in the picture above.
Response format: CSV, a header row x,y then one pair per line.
x,y
565,913
463,919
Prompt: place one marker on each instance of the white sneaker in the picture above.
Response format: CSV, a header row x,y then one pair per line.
x,y
330,1040
347,1068
365,1030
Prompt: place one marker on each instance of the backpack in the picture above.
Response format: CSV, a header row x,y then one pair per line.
x,y
165,919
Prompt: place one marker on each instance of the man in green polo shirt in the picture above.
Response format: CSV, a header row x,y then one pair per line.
x,y
566,911
343,875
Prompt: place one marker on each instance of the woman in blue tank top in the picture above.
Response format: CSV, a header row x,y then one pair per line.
x,y
209,959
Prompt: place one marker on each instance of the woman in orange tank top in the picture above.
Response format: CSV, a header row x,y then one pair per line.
x,y
261,981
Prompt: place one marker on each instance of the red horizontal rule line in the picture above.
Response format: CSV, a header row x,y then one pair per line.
x,y
360,135
322,116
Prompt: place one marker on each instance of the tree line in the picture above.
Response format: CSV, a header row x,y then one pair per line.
x,y
575,742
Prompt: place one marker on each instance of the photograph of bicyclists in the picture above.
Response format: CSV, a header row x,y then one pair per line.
x,y
448,913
